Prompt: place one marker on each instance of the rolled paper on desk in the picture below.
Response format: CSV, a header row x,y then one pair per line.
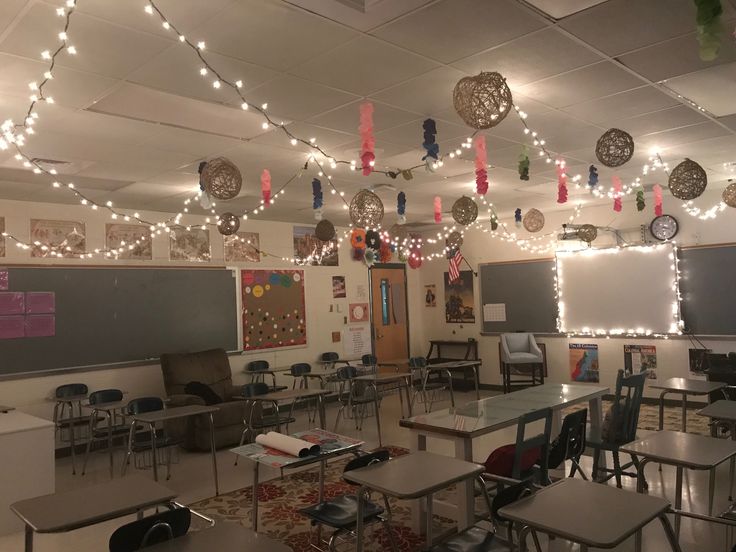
x,y
289,445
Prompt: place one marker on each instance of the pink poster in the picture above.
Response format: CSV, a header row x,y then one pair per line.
x,y
12,302
40,302
40,325
4,279
11,327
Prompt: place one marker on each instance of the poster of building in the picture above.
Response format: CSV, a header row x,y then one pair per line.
x,y
57,238
2,238
339,290
584,362
430,295
638,358
189,245
310,250
242,247
459,298
133,239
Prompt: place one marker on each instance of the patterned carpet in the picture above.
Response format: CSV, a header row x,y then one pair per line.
x,y
281,499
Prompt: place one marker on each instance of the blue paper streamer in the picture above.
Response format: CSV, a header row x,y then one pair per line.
x,y
517,215
401,203
317,193
592,176
430,144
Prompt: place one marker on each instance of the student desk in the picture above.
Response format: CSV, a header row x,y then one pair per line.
x,y
683,387
376,380
222,537
460,366
723,411
62,512
293,395
587,513
412,476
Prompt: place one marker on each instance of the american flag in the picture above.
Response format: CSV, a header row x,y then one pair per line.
x,y
455,261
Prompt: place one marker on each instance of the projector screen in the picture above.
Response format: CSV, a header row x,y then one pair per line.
x,y
619,291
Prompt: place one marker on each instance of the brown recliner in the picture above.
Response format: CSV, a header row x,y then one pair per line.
x,y
212,368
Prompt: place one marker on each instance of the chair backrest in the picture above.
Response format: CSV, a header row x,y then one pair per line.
x,y
145,404
509,495
300,368
369,360
105,396
722,369
417,362
517,342
346,372
150,530
571,441
257,366
330,356
540,441
254,389
71,390
626,406
367,459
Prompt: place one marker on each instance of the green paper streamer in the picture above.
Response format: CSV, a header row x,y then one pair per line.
x,y
524,164
640,203
708,27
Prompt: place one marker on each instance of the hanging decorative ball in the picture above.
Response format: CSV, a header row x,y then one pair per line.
x,y
366,209
688,180
729,195
587,233
614,148
325,230
533,220
221,178
415,261
454,240
228,224
482,101
398,234
465,211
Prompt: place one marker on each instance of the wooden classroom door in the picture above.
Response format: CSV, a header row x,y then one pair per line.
x,y
389,316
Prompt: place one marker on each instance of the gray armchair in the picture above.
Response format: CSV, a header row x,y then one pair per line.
x,y
521,352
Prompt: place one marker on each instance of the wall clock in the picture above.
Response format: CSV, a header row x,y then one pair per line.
x,y
664,227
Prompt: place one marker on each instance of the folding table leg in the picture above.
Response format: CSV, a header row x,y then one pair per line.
x,y
29,539
254,519
671,537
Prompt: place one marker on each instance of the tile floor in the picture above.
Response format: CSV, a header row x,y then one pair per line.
x,y
192,479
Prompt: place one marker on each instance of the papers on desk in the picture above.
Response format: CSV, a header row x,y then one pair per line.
x,y
286,443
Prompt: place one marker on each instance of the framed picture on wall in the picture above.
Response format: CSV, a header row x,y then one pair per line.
x,y
133,239
460,299
58,238
430,295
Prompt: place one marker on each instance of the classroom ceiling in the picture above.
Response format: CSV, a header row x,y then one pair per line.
x,y
133,118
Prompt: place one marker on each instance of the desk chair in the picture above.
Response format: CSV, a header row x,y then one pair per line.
x,y
161,527
570,443
258,369
368,364
67,397
520,349
101,432
428,389
354,397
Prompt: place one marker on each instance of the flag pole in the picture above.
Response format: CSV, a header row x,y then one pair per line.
x,y
470,267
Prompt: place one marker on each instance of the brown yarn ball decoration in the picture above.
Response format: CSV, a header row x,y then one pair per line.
x,y
366,209
533,220
222,179
325,230
454,240
398,234
688,180
228,224
465,211
588,233
482,101
729,195
614,148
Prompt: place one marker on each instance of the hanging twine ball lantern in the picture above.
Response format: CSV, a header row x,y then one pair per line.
x,y
688,180
398,234
533,220
729,195
228,224
454,240
614,148
465,211
221,178
366,209
482,101
325,230
587,233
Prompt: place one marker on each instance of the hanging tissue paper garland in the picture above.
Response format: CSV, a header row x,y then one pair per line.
x,y
368,143
438,209
517,217
317,198
592,176
657,189
430,144
617,192
401,208
708,26
524,164
561,183
481,162
266,187
640,203
385,252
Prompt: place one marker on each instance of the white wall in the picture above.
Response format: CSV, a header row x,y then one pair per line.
x,y
672,354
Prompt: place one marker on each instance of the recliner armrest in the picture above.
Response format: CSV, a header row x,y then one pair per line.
x,y
184,400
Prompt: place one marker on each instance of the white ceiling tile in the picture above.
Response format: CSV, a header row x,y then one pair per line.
x,y
667,139
610,110
373,65
9,10
376,12
427,94
347,117
412,134
324,138
198,144
562,8
658,121
466,26
713,88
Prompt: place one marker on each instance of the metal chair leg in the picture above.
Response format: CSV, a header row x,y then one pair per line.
x,y
129,452
617,468
89,443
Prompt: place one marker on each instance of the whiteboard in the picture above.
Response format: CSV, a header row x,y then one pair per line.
x,y
619,291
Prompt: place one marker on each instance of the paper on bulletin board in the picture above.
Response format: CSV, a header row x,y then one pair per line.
x,y
4,279
12,327
40,325
494,312
356,341
12,302
40,302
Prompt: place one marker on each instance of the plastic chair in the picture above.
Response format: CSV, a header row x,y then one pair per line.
x,y
258,369
429,389
619,428
161,527
341,513
67,396
369,364
570,444
353,396
102,432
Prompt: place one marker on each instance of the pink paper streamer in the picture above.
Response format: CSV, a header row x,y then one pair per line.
x,y
481,162
617,187
368,142
438,209
561,183
266,186
657,189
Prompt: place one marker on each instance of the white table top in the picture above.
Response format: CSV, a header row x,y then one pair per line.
x,y
698,452
173,413
15,421
688,386
722,410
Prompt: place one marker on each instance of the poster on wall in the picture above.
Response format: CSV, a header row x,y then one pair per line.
x,y
459,298
134,240
189,245
2,238
698,361
638,358
242,247
356,341
65,238
584,362
430,295
359,312
274,313
339,290
310,250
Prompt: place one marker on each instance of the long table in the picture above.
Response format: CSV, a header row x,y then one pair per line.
x,y
463,424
